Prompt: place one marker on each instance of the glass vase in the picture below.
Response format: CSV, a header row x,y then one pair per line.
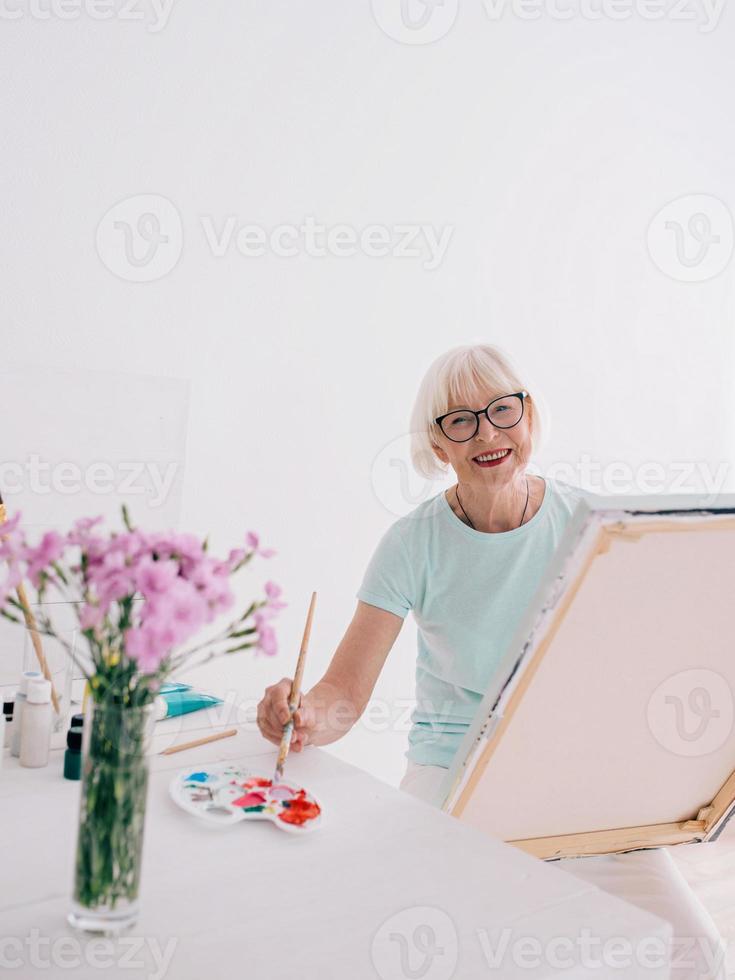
x,y
112,809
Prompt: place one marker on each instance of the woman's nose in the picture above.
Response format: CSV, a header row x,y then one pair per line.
x,y
486,429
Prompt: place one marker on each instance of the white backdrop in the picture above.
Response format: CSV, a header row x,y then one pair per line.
x,y
235,235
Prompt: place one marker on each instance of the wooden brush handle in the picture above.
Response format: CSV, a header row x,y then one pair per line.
x,y
32,626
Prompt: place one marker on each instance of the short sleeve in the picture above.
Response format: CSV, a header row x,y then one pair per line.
x,y
388,581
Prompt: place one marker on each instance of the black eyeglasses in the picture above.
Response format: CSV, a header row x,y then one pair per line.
x,y
503,413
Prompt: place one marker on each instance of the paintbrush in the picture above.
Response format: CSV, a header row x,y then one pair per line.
x,y
31,624
293,698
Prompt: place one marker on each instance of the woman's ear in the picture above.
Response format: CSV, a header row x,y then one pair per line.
x,y
440,453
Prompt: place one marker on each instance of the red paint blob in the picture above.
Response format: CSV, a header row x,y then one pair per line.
x,y
299,809
255,781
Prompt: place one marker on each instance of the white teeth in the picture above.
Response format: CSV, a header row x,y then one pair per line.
x,y
489,456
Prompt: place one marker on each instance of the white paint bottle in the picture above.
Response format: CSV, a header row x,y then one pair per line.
x,y
20,700
36,724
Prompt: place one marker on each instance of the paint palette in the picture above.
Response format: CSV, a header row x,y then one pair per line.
x,y
226,793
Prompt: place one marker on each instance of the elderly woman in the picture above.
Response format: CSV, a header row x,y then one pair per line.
x,y
466,563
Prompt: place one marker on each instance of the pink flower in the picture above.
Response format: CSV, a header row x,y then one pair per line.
x,y
113,586
149,645
80,532
273,591
252,539
181,608
187,546
218,595
152,577
90,617
266,637
182,587
48,551
11,582
235,557
11,531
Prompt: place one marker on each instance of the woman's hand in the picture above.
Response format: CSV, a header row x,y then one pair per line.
x,y
273,714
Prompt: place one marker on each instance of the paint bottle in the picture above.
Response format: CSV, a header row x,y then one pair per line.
x,y
174,703
20,700
36,724
73,754
8,706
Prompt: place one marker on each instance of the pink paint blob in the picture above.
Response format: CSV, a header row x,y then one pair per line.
x,y
250,799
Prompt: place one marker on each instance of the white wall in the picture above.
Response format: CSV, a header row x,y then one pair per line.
x,y
546,147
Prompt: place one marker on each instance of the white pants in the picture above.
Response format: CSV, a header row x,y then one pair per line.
x,y
649,879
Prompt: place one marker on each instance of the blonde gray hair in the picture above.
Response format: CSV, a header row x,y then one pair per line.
x,y
462,372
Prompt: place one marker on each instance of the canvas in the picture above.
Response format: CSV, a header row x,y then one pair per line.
x,y
610,725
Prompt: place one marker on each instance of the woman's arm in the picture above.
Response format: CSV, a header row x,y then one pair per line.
x,y
330,709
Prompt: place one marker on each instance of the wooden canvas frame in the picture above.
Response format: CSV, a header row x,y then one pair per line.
x,y
597,523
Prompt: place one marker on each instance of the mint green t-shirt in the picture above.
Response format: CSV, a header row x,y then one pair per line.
x,y
468,591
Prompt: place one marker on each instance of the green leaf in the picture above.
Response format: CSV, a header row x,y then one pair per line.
x,y
243,646
126,518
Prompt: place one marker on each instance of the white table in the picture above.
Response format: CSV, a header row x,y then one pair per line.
x,y
385,874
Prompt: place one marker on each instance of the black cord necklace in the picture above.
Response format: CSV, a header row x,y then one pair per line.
x,y
456,492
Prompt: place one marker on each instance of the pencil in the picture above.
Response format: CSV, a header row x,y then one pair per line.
x,y
32,626
293,699
198,741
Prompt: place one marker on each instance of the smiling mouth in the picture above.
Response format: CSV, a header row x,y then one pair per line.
x,y
493,460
